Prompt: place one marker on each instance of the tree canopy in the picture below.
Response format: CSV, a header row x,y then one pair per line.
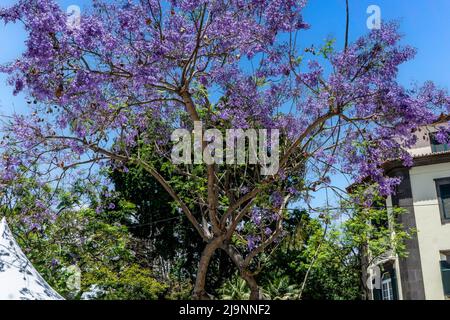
x,y
112,89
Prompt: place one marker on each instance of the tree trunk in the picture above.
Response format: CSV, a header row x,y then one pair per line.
x,y
255,292
364,264
199,292
238,260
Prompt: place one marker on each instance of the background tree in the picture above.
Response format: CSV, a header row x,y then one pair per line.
x,y
313,261
372,231
330,257
115,87
163,238
75,248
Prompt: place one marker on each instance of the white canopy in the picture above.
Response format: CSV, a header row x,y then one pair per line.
x,y
19,280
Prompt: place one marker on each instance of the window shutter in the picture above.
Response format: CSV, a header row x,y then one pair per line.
x,y
394,283
377,294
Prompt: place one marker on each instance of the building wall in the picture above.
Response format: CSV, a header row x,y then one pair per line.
x,y
410,267
433,236
423,145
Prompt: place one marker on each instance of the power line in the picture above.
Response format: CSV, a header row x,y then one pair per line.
x,y
154,222
298,209
356,208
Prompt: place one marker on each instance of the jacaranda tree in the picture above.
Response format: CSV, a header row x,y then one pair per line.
x,y
113,87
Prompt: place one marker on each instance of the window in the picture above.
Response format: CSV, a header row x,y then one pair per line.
x,y
387,293
387,282
436,146
445,271
443,193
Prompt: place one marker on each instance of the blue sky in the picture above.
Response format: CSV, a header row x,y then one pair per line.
x,y
425,24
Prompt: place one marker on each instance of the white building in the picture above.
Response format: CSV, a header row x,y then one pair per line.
x,y
425,195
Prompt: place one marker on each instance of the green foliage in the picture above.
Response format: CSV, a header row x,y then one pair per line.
x,y
160,231
276,289
312,245
328,48
82,240
315,259
234,289
376,229
179,289
281,288
132,282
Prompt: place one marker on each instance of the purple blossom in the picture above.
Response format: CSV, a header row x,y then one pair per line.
x,y
252,242
276,199
442,135
256,216
54,263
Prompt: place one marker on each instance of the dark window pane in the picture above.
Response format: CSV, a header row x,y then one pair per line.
x,y
445,270
444,189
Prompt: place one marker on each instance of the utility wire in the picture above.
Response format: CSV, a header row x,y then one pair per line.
x,y
154,222
299,209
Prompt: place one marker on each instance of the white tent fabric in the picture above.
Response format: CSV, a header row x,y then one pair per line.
x,y
19,280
